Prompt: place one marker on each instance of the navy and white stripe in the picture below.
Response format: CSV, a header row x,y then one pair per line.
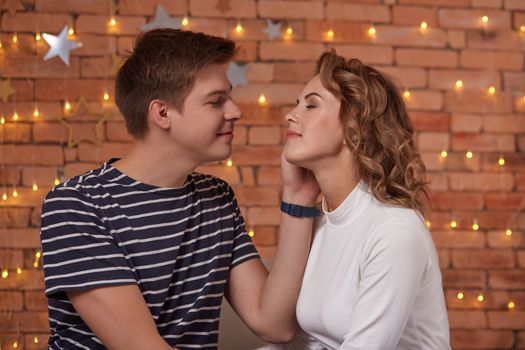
x,y
176,244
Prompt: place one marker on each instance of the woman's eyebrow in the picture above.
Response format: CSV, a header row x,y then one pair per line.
x,y
311,94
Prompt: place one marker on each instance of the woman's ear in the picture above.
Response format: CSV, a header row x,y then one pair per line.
x,y
158,113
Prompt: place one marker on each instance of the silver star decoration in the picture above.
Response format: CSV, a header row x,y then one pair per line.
x,y
162,20
60,45
237,74
272,30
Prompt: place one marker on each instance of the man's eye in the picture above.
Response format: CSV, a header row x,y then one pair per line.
x,y
217,103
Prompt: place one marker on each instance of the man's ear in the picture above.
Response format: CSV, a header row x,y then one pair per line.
x,y
159,114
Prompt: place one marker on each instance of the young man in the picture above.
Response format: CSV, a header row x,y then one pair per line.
x,y
139,252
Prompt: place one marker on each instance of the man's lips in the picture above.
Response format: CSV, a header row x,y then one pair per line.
x,y
224,133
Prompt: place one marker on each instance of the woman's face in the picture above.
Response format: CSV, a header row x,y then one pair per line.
x,y
314,134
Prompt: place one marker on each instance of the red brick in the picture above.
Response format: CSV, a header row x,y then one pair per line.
x,y
140,7
445,3
410,36
269,176
264,135
414,15
506,320
514,5
253,114
467,319
456,38
28,197
504,124
406,77
247,52
10,175
96,45
484,182
241,136
499,40
291,10
264,216
217,27
72,89
11,260
14,217
35,301
478,102
435,141
467,123
457,162
518,20
444,258
72,6
274,93
248,155
117,132
344,31
483,142
521,258
257,196
500,201
430,121
519,102
458,239
294,72
260,72
520,341
426,58
480,59
265,236
26,238
514,81
368,54
424,100
510,279
247,175
48,110
357,12
463,278
438,181
90,24
11,300
50,132
492,299
454,200
35,21
445,79
28,321
487,3
24,90
17,132
481,339
41,155
498,239
471,19
238,9
483,259
290,51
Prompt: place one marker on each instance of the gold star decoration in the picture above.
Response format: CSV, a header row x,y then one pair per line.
x,y
6,89
79,124
116,63
223,5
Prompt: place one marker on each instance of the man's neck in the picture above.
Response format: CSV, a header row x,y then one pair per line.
x,y
155,166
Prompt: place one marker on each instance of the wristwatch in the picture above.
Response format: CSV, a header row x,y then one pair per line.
x,y
299,211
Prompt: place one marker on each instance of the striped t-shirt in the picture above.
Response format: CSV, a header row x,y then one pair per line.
x,y
176,244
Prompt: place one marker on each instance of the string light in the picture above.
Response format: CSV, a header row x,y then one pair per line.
x,y
35,339
459,84
2,120
453,223
444,154
38,255
428,223
423,26
15,344
460,295
38,37
330,34
57,181
372,32
289,31
185,21
262,100
36,113
501,161
406,94
251,233
15,116
511,305
19,270
1,45
491,90
4,196
15,192
229,163
485,19
480,298
522,29
67,106
15,39
239,28
469,155
106,96
5,273
475,225
508,232
112,22
35,187
71,31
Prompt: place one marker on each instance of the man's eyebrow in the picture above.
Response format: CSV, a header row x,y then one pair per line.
x,y
311,94
218,92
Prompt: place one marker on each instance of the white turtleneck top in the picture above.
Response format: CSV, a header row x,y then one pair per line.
x,y
372,281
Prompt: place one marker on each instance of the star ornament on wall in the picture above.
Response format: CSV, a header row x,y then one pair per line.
x,y
162,20
60,45
84,124
6,90
273,30
237,74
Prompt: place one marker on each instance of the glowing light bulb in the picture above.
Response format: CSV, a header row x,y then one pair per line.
x,y
423,26
492,90
35,340
57,181
289,31
251,233
16,116
522,29
238,28
4,196
480,298
406,94
15,193
35,187
459,84
15,39
229,163
5,273
106,96
2,120
19,270
67,106
36,113
469,155
475,225
444,154
511,305
501,161
485,19
453,224
71,31
262,100
38,37
460,296
428,223
15,345
112,22
330,34
508,232
372,32
185,21
38,255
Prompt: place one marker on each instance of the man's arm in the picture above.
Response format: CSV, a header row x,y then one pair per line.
x,y
119,317
266,302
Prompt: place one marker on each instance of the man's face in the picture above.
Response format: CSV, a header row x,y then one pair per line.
x,y
204,126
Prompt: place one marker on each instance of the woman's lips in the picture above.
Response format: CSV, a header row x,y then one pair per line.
x,y
292,134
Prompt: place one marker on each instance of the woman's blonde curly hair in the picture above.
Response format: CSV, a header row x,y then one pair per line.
x,y
378,131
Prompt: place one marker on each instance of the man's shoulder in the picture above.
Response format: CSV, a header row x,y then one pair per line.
x,y
82,185
203,181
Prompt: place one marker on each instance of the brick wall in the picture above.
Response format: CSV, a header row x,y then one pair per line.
x,y
483,269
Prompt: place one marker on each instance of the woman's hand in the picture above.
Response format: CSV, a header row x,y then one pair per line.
x,y
299,184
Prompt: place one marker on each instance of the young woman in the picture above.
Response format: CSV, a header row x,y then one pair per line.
x,y
372,280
